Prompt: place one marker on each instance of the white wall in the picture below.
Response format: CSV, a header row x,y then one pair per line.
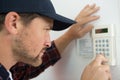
x,y
71,65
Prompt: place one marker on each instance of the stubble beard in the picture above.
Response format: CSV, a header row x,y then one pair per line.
x,y
21,53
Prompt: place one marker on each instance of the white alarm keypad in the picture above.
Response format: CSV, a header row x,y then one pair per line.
x,y
104,42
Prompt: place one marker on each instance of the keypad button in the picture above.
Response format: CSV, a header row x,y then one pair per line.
x,y
107,45
103,45
103,40
107,54
107,40
96,41
96,49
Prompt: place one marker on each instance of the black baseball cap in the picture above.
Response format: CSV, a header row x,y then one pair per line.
x,y
42,7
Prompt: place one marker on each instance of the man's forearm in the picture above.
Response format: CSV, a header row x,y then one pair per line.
x,y
62,42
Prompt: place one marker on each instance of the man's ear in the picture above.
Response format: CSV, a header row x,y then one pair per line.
x,y
11,21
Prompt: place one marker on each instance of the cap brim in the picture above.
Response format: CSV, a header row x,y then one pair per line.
x,y
60,22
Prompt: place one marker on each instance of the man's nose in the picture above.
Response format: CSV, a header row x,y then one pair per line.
x,y
48,41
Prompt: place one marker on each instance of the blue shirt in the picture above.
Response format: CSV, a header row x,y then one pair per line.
x,y
4,75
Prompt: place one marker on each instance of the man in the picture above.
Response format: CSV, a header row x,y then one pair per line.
x,y
24,32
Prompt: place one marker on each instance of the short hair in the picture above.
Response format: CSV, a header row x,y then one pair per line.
x,y
26,18
2,19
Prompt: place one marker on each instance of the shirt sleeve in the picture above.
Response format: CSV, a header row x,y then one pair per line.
x,y
22,71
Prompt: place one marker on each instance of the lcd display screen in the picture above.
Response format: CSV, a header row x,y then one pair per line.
x,y
103,30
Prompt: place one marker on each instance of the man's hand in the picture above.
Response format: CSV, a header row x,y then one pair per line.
x,y
97,70
82,26
86,14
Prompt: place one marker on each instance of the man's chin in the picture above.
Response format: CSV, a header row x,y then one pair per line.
x,y
33,61
36,64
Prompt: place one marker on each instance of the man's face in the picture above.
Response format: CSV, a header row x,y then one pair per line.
x,y
32,40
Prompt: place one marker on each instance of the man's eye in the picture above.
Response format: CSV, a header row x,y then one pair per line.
x,y
47,29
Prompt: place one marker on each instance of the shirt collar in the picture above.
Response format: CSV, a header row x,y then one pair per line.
x,y
3,73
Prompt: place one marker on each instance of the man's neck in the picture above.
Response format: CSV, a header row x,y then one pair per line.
x,y
7,62
6,56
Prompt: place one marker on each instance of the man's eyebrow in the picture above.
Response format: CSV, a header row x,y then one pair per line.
x,y
49,26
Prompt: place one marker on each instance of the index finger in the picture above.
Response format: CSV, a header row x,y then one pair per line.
x,y
100,59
